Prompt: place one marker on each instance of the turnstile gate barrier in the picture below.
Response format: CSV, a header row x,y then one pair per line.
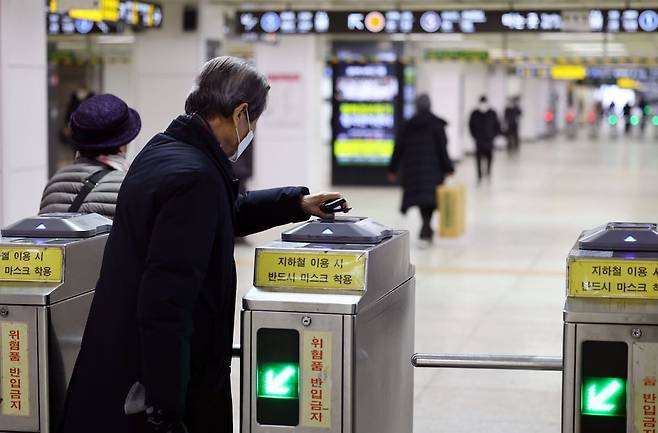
x,y
610,379
328,331
48,270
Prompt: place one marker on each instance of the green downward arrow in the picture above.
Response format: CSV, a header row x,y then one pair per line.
x,y
603,396
275,384
278,380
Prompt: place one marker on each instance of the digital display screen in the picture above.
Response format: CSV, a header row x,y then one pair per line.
x,y
277,377
365,110
603,393
448,21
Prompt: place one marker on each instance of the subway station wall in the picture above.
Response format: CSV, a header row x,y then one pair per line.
x,y
23,130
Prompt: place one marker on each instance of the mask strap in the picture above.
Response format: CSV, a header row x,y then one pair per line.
x,y
248,121
248,126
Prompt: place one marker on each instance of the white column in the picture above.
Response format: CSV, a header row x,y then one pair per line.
x,y
165,62
289,148
561,90
497,88
535,101
117,78
23,106
497,94
444,84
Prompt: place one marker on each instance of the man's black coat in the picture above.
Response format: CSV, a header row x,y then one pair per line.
x,y
164,305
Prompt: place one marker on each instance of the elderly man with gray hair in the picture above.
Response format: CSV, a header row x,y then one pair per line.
x,y
156,352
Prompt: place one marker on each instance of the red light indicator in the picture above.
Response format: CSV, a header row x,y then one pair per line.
x,y
571,116
549,117
591,117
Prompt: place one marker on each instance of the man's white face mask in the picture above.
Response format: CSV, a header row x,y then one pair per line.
x,y
244,143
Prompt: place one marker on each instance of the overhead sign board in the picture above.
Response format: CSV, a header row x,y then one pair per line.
x,y
111,16
447,21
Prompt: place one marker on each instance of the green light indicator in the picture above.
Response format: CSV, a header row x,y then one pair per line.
x,y
648,109
635,120
654,120
603,396
278,381
612,119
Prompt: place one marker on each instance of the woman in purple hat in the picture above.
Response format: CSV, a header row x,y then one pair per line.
x,y
101,128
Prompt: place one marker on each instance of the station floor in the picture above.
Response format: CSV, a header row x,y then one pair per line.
x,y
500,288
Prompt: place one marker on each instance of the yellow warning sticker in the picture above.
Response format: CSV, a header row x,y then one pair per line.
x,y
316,379
303,270
613,278
15,373
31,264
645,387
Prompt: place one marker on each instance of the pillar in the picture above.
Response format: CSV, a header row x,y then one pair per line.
x,y
289,148
23,108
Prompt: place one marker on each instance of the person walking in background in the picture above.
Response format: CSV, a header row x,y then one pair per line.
x,y
421,158
484,127
101,127
512,120
627,111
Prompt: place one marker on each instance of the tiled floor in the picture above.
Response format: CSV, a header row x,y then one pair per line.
x,y
500,288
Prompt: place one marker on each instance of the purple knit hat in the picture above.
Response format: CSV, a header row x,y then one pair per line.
x,y
104,122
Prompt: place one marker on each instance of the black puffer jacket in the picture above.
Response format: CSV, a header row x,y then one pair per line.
x,y
65,185
422,159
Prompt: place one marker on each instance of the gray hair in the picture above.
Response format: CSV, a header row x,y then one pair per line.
x,y
423,102
223,84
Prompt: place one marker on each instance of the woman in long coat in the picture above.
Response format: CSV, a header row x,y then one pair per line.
x,y
421,159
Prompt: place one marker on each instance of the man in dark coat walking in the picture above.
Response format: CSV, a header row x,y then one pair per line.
x,y
484,127
421,156
156,352
512,119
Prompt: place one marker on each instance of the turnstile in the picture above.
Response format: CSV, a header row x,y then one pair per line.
x,y
610,381
48,270
328,331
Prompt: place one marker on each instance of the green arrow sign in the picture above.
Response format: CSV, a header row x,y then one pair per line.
x,y
280,380
603,396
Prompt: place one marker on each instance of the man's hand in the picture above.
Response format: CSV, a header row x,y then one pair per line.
x,y
157,422
311,203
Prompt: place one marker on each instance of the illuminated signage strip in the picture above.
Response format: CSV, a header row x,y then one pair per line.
x,y
451,21
112,16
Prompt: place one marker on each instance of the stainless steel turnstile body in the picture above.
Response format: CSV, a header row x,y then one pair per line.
x,y
367,335
46,287
611,333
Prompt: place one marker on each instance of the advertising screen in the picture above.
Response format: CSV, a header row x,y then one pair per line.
x,y
365,110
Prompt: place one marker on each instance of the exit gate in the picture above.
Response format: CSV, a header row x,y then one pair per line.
x,y
610,353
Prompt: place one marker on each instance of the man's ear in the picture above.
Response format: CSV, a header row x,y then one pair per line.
x,y
239,112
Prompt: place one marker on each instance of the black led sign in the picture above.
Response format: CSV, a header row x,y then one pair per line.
x,y
449,21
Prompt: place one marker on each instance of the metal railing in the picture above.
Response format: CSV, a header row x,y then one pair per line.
x,y
486,362
492,362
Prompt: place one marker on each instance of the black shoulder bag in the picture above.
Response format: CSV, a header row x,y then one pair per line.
x,y
88,185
